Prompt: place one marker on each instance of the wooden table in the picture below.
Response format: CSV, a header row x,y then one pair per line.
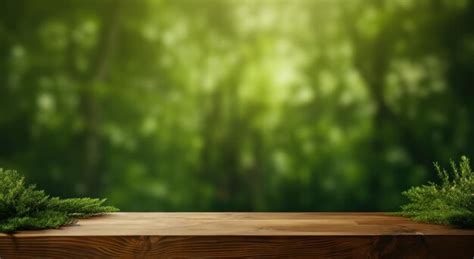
x,y
349,235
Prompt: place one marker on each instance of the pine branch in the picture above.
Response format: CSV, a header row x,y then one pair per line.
x,y
23,207
450,203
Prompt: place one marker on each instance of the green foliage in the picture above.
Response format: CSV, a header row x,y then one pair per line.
x,y
228,105
450,202
24,207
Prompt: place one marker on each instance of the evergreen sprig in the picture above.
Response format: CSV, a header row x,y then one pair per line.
x,y
451,202
24,207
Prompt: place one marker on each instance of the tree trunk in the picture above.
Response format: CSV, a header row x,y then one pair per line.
x,y
93,175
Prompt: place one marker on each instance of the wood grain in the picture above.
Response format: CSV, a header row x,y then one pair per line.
x,y
322,235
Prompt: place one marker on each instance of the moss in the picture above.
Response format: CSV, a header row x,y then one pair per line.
x,y
24,207
451,202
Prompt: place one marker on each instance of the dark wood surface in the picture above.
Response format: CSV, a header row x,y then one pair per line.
x,y
320,235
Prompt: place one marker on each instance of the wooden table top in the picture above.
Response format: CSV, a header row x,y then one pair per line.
x,y
246,224
219,235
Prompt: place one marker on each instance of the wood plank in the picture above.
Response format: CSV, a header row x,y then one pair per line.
x,y
351,235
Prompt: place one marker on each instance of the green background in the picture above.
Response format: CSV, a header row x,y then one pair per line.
x,y
235,105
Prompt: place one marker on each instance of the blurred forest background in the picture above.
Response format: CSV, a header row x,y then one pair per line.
x,y
235,105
